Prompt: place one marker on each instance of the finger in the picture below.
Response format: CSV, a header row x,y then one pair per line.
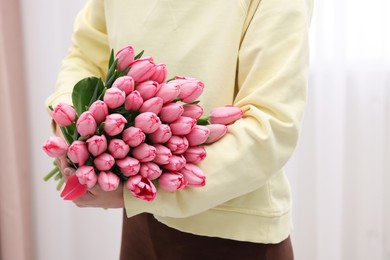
x,y
68,171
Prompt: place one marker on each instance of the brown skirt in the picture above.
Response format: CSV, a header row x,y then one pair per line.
x,y
145,238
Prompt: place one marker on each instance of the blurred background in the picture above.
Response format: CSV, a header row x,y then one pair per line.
x,y
340,172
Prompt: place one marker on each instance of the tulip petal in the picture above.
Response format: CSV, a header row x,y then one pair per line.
x,y
73,189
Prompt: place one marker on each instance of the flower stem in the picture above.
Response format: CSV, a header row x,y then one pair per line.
x,y
51,173
60,183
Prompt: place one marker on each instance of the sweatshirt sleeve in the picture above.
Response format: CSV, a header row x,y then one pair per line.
x,y
272,80
88,55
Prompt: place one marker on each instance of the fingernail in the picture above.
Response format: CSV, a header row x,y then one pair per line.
x,y
68,171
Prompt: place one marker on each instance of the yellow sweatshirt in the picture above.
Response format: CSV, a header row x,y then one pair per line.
x,y
250,53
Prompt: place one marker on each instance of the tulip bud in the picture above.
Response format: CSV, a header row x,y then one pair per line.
x,y
198,135
86,175
190,88
160,73
99,111
104,162
150,170
97,144
195,154
124,83
114,124
182,126
133,101
114,97
193,175
217,131
147,89
142,69
63,114
163,154
171,112
118,148
55,146
176,163
141,188
193,110
73,189
171,181
86,124
177,144
78,152
168,92
144,152
129,166
133,136
148,122
108,181
161,135
153,105
225,115
125,57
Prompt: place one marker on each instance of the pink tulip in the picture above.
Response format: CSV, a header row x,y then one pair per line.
x,y
193,175
182,126
225,115
163,154
86,124
133,101
63,114
160,73
141,188
198,135
177,144
153,105
172,181
150,170
195,154
147,89
55,146
97,144
78,152
114,124
118,148
129,166
99,111
124,83
161,135
176,163
73,189
168,92
171,112
142,69
108,181
104,162
144,152
125,57
190,89
193,110
114,97
217,131
86,175
148,122
133,136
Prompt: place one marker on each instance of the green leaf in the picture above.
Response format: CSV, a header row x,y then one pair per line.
x,y
112,57
85,92
111,73
139,55
203,121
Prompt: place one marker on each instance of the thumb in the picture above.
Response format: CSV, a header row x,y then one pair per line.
x,y
68,171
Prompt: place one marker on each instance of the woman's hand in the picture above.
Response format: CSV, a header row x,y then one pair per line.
x,y
95,197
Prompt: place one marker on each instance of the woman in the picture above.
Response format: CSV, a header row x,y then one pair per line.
x,y
249,53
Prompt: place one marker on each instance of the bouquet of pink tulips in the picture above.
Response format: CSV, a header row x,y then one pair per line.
x,y
137,128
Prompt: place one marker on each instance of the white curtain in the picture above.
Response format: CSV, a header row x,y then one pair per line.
x,y
340,173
